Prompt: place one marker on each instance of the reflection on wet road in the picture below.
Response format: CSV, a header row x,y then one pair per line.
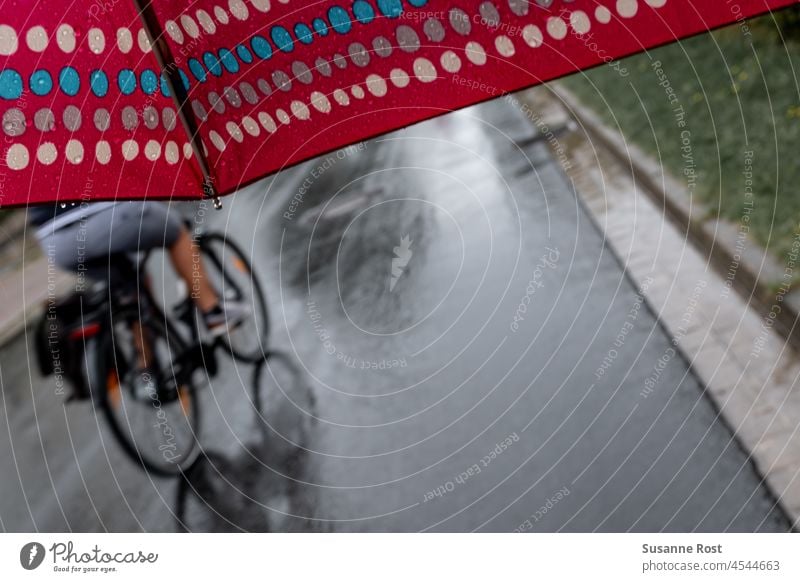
x,y
458,351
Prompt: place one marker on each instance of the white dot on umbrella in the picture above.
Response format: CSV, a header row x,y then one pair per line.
x,y
144,42
65,38
217,140
97,41
205,20
17,157
341,97
250,126
102,151
47,153
187,150
124,40
376,85
424,70
74,151
300,110
221,15
130,149
399,78
171,153
504,46
475,53
556,27
357,91
234,131
36,39
152,150
261,5
282,116
266,121
656,3
627,8
190,26
450,62
580,22
8,40
532,35
321,102
238,9
602,14
174,31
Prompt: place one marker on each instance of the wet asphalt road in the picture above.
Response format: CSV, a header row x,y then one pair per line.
x,y
459,351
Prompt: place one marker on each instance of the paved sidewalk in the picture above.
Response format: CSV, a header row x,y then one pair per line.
x,y
749,370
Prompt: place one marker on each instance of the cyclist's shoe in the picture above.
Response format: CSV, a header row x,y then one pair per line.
x,y
225,317
143,383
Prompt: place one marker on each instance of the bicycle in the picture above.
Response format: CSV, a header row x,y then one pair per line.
x,y
157,427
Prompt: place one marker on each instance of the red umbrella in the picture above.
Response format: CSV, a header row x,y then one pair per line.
x,y
104,99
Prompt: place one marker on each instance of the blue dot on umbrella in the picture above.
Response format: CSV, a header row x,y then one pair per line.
x,y
391,8
303,33
10,84
244,54
417,3
184,79
340,19
99,83
197,70
69,81
282,39
164,86
363,11
149,82
212,64
229,61
320,26
126,81
261,47
41,82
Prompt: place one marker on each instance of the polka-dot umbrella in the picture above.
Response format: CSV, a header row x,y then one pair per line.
x,y
111,99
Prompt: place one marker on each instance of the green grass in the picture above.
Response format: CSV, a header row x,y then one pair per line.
x,y
737,96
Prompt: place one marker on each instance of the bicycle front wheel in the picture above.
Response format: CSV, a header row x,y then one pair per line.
x,y
233,277
156,420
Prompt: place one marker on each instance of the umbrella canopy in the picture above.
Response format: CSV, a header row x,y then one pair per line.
x,y
113,99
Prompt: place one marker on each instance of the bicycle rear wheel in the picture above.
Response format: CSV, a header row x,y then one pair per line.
x,y
158,429
232,276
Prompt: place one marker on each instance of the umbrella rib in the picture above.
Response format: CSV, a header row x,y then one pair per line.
x,y
178,93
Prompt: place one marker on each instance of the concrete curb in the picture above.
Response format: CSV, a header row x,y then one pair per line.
x,y
754,271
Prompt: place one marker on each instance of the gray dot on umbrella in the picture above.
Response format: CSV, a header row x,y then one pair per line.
x,y
102,119
281,80
434,30
518,7
129,118
339,61
323,66
407,38
72,118
150,116
216,102
264,87
232,96
248,93
489,14
199,111
301,72
358,54
382,46
13,122
460,21
544,3
169,118
44,120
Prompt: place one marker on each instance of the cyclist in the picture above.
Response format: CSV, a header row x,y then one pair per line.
x,y
73,235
